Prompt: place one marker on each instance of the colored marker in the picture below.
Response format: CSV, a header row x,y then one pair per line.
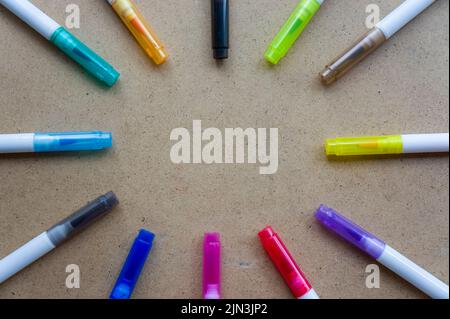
x,y
383,253
220,28
54,142
65,41
286,265
389,144
124,287
382,32
56,235
141,30
292,29
211,266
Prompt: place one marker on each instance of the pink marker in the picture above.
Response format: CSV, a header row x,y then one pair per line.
x,y
211,266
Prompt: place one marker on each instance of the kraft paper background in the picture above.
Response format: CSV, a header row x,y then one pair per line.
x,y
401,88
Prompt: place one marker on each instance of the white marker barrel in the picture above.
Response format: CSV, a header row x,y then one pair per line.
x,y
425,143
24,256
310,295
411,272
16,143
403,14
33,16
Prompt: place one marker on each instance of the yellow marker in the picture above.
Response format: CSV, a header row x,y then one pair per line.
x,y
141,30
390,144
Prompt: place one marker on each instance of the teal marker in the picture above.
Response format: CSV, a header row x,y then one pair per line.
x,y
63,39
292,29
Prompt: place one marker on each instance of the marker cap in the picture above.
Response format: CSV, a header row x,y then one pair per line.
x,y
72,141
134,263
350,231
353,55
141,30
84,56
367,145
82,218
284,262
211,266
220,28
291,30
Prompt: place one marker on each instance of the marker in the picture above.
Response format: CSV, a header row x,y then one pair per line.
x,y
65,41
389,144
211,266
382,32
286,265
383,253
134,263
141,30
54,142
220,28
56,235
292,29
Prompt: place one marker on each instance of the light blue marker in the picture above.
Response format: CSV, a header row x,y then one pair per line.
x,y
54,142
63,39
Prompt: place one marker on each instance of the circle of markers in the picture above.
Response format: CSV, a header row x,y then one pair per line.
x,y
272,243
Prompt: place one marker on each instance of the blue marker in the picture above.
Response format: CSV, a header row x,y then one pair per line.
x,y
54,142
132,268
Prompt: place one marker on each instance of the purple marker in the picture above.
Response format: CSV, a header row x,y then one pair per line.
x,y
382,252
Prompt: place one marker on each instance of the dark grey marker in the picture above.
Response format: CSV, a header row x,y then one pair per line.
x,y
82,218
62,231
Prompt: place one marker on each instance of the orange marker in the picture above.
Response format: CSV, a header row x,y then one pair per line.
x,y
141,30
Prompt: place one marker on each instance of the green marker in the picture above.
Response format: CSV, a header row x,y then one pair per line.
x,y
292,29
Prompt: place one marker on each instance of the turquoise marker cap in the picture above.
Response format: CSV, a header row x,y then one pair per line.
x,y
84,56
71,141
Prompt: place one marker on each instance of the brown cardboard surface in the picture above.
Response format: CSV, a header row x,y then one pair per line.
x,y
401,88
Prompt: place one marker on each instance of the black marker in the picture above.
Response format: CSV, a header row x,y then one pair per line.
x,y
220,28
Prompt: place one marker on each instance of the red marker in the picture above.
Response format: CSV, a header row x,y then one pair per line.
x,y
286,265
